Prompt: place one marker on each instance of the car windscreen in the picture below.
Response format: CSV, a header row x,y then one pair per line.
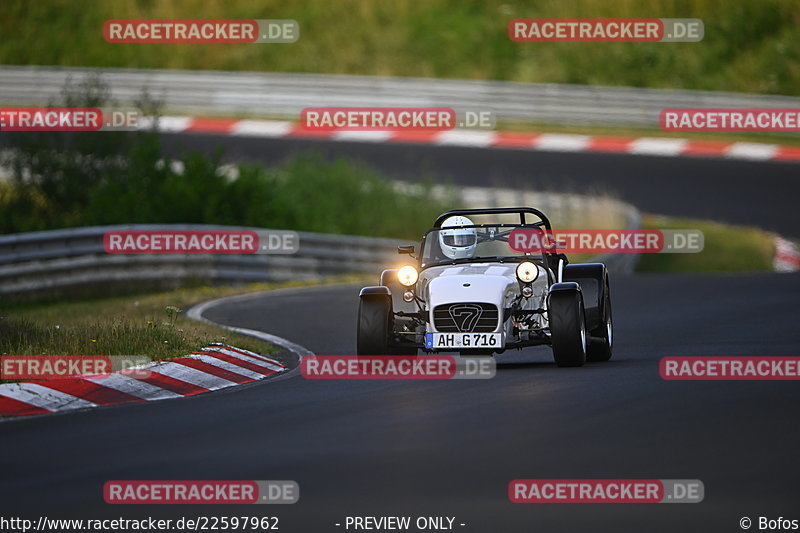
x,y
468,243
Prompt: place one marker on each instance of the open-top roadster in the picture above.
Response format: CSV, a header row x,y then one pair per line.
x,y
482,287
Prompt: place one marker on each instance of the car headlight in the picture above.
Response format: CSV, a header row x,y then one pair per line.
x,y
527,272
407,275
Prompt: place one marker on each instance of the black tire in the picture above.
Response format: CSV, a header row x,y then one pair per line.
x,y
567,328
602,339
374,326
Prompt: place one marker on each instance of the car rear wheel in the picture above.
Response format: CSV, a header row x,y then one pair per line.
x,y
374,326
567,328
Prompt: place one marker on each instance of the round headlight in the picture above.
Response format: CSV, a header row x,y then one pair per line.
x,y
407,275
527,272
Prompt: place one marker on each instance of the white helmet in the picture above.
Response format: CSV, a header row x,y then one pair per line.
x,y
456,241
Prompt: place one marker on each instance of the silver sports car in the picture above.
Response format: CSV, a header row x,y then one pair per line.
x,y
484,281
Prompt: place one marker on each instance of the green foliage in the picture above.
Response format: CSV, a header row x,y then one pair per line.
x,y
89,179
145,324
749,45
726,248
306,193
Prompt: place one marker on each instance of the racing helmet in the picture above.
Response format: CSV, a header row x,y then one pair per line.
x,y
457,241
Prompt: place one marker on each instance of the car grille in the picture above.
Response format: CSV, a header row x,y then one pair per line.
x,y
470,317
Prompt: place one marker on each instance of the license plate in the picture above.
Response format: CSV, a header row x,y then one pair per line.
x,y
463,340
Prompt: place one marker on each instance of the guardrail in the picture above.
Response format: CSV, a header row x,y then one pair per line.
x,y
68,258
285,95
57,259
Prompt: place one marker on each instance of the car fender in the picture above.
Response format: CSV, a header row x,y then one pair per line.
x,y
378,291
592,280
563,289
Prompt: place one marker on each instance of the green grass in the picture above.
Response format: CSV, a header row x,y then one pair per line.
x,y
749,46
727,248
144,324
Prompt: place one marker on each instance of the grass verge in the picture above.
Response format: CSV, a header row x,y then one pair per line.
x,y
747,47
153,325
727,248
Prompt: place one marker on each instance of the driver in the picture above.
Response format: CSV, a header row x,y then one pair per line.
x,y
457,241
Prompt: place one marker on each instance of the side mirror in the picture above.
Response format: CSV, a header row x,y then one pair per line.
x,y
405,249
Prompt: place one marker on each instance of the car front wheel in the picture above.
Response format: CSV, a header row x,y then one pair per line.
x,y
374,326
567,328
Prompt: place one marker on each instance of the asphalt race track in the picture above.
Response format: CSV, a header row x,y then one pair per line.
x,y
450,448
757,193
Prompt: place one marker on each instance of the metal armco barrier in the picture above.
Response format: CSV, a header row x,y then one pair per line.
x,y
72,257
65,258
285,95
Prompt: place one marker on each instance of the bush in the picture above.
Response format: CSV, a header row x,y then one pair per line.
x,y
86,179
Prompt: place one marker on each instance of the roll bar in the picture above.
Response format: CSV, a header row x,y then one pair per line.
x,y
522,211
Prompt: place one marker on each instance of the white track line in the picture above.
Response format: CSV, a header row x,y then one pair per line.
x,y
655,146
261,128
166,124
196,313
465,138
558,142
755,151
363,136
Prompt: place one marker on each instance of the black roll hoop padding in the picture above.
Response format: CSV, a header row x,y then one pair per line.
x,y
522,211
